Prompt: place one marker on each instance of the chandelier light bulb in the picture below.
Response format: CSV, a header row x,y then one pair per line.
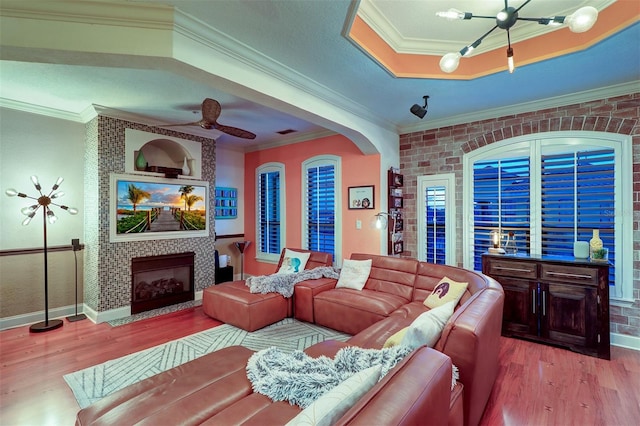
x,y
582,19
29,210
71,210
57,194
27,220
11,192
510,63
34,179
449,62
452,14
51,217
58,182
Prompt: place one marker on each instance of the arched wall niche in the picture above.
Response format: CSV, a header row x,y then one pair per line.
x,y
149,149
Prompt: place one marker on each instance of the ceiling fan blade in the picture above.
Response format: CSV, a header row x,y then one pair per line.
x,y
234,131
195,123
210,110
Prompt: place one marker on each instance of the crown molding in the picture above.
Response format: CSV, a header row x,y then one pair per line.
x,y
81,117
554,102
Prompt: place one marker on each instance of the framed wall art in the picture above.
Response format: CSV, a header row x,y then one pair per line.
x,y
361,197
150,208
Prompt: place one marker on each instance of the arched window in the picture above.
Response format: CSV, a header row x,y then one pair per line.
x,y
321,204
270,211
544,192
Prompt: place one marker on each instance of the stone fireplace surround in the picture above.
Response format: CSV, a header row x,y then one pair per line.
x,y
107,267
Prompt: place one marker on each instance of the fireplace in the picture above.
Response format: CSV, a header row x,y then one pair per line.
x,y
159,281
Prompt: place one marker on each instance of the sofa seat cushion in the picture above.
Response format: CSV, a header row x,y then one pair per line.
x,y
351,311
187,394
374,336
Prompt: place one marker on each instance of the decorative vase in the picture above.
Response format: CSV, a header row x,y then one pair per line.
x,y
595,243
141,162
186,171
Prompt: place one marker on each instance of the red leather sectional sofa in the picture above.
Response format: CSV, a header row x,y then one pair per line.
x,y
214,389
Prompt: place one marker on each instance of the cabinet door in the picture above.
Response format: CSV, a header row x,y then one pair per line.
x,y
520,315
569,314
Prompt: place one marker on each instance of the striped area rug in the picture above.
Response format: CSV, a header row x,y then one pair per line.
x,y
94,383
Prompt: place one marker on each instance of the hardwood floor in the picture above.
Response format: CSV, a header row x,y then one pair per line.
x,y
537,384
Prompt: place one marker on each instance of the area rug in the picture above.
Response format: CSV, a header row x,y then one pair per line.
x,y
94,383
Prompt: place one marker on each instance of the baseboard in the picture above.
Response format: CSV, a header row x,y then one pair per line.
x,y
110,315
624,341
33,317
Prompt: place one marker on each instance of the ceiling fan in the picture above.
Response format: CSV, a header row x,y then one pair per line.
x,y
210,112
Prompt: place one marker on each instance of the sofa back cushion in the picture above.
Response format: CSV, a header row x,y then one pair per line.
x,y
430,274
393,275
316,258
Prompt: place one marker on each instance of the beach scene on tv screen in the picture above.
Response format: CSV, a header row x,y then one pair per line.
x,y
160,207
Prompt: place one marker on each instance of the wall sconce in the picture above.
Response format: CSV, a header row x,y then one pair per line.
x,y
496,236
382,220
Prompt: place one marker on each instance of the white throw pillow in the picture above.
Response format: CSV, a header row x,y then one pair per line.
x,y
293,261
333,404
354,274
427,328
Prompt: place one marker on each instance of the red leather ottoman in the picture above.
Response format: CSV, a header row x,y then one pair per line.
x,y
233,303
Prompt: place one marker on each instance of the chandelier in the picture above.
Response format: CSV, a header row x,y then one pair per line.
x,y
580,21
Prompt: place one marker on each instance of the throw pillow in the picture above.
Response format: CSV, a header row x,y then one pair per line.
x,y
447,290
293,261
332,405
396,338
354,274
427,328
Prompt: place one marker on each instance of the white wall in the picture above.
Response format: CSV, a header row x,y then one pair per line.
x,y
48,148
230,173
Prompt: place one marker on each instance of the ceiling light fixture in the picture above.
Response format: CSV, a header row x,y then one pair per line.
x,y
580,21
420,111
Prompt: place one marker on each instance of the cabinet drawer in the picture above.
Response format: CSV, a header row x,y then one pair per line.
x,y
512,268
569,274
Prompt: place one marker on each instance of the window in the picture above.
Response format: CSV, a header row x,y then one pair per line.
x,y
578,197
501,195
321,202
270,211
547,193
436,219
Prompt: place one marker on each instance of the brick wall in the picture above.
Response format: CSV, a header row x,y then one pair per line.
x,y
440,151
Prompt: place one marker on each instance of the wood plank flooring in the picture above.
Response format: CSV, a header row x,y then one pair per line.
x,y
537,384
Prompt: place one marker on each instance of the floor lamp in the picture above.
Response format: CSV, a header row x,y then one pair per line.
x,y
44,201
242,246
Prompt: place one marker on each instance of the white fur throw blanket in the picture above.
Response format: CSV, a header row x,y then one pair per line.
x,y
283,283
300,379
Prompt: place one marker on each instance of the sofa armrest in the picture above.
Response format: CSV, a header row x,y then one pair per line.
x,y
416,391
304,292
472,340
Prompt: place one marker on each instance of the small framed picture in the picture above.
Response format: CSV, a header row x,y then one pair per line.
x,y
361,197
396,202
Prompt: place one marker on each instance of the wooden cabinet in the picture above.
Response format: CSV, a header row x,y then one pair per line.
x,y
563,302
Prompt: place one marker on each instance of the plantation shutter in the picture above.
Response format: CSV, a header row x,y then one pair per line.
x,y
501,202
321,208
578,196
270,212
435,221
